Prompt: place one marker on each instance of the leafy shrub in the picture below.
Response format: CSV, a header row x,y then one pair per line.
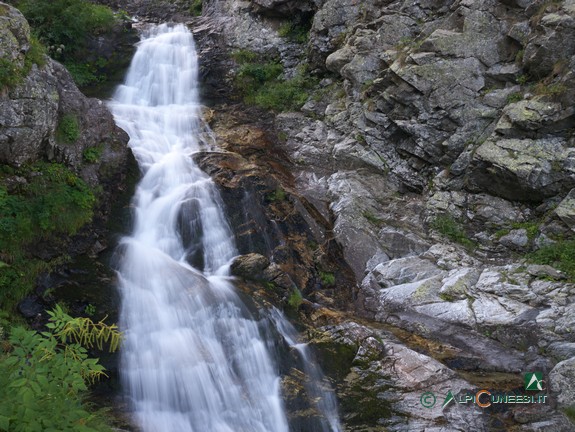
x,y
196,7
66,26
9,73
450,228
295,299
45,375
560,254
278,195
92,154
261,83
52,201
294,32
327,279
68,130
83,73
514,97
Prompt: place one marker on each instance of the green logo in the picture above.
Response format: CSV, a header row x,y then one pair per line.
x,y
449,398
534,381
428,399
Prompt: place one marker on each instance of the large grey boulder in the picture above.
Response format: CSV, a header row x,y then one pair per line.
x,y
562,380
523,169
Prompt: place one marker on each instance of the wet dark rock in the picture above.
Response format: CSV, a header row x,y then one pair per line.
x,y
250,266
31,307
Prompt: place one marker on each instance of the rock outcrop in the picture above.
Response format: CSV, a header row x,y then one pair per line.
x,y
438,149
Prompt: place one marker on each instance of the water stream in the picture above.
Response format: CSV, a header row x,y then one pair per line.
x,y
194,358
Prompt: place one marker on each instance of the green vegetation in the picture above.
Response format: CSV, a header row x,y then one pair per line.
x,y
90,309
532,229
196,7
550,90
327,278
294,31
46,375
514,97
51,201
278,195
11,74
93,154
261,83
372,218
68,130
450,228
570,413
522,79
295,299
560,254
66,26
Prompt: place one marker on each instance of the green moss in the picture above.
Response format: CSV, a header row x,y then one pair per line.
x,y
68,130
372,218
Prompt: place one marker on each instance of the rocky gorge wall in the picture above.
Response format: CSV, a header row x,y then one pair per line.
x,y
438,146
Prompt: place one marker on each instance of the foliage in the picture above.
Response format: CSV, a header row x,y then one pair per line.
x,y
68,130
327,278
294,31
92,154
46,375
11,74
551,90
52,200
66,26
560,254
83,73
196,7
450,228
67,22
532,228
514,97
295,299
278,195
522,79
261,83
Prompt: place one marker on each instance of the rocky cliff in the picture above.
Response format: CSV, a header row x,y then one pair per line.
x,y
437,149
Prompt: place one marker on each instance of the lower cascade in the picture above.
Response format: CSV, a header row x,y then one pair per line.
x,y
194,358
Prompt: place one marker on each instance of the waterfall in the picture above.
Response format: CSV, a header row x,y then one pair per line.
x,y
193,358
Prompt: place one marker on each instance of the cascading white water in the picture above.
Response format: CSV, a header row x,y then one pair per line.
x,y
193,358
